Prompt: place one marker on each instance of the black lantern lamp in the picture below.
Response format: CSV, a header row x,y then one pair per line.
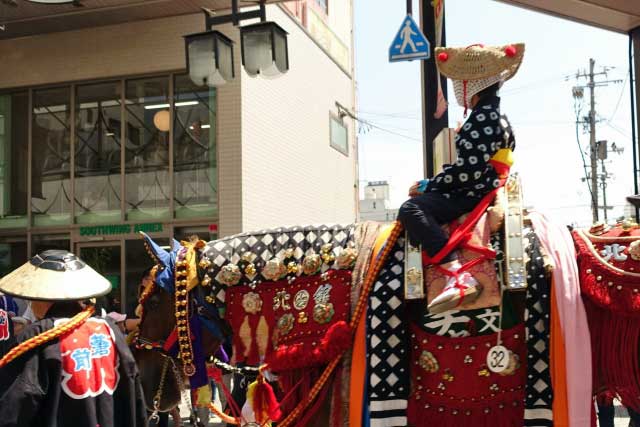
x,y
264,49
209,58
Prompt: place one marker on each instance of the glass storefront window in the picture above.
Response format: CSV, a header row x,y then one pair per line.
x,y
194,149
51,157
97,153
105,259
14,130
147,149
43,242
13,253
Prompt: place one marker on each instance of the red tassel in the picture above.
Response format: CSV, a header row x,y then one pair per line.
x,y
337,339
264,401
214,373
510,51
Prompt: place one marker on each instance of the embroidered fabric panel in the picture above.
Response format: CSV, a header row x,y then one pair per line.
x,y
538,392
452,385
268,244
280,313
388,380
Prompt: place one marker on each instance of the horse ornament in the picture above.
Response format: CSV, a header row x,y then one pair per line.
x,y
329,324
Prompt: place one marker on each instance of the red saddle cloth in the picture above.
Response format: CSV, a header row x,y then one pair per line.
x,y
610,285
290,325
452,386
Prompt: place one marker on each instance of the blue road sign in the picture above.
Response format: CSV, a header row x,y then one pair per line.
x,y
409,43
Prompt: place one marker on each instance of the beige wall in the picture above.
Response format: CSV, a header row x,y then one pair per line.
x,y
142,47
290,173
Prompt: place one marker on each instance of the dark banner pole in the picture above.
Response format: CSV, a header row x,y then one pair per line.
x,y
430,125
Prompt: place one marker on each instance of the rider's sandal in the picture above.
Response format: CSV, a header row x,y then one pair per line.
x,y
462,289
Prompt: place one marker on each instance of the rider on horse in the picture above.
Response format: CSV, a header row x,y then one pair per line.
x,y
483,144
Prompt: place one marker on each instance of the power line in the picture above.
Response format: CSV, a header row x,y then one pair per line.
x,y
624,84
375,126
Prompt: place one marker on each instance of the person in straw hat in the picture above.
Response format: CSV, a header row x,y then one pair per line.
x,y
483,143
67,368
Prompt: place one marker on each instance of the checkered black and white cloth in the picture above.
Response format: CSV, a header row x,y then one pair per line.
x,y
388,381
539,394
268,244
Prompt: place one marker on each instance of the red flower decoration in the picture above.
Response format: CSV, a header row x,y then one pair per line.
x,y
510,51
443,56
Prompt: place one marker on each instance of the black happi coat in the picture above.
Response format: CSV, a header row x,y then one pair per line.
x,y
31,392
481,136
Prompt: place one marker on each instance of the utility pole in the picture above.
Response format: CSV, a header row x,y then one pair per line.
x,y
592,142
591,119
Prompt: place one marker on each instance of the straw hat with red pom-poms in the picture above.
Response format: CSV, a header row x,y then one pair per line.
x,y
480,62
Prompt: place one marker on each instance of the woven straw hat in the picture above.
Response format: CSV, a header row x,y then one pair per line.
x,y
480,62
55,275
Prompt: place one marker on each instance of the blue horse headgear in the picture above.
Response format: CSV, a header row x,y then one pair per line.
x,y
166,262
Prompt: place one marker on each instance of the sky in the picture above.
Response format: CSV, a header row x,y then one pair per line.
x,y
538,102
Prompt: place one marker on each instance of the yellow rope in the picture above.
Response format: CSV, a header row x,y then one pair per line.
x,y
224,417
47,336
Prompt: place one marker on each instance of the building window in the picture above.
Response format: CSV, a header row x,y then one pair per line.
x,y
194,150
148,122
14,130
100,152
13,253
323,5
97,153
339,135
51,157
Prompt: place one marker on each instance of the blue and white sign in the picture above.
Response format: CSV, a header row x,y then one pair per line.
x,y
409,43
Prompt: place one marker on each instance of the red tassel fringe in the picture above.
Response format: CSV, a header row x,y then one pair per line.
x,y
264,401
615,370
287,357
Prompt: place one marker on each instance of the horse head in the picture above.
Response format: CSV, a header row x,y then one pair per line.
x,y
178,327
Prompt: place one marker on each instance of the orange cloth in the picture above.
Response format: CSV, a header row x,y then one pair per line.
x,y
558,367
359,355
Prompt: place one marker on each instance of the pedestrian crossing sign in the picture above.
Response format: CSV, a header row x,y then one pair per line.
x,y
409,43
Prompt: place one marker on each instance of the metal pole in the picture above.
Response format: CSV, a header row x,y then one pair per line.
x,y
592,143
430,125
409,7
603,178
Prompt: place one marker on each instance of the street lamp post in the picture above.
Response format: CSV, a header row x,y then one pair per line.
x,y
210,54
264,49
209,58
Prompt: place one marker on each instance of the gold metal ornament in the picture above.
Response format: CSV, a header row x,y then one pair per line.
x,y
252,303
285,324
301,300
327,254
274,269
302,317
428,362
311,264
229,275
347,258
323,313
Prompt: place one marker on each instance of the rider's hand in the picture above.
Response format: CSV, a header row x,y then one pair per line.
x,y
418,188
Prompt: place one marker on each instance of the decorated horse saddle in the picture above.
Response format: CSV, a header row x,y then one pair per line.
x,y
609,262
609,265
